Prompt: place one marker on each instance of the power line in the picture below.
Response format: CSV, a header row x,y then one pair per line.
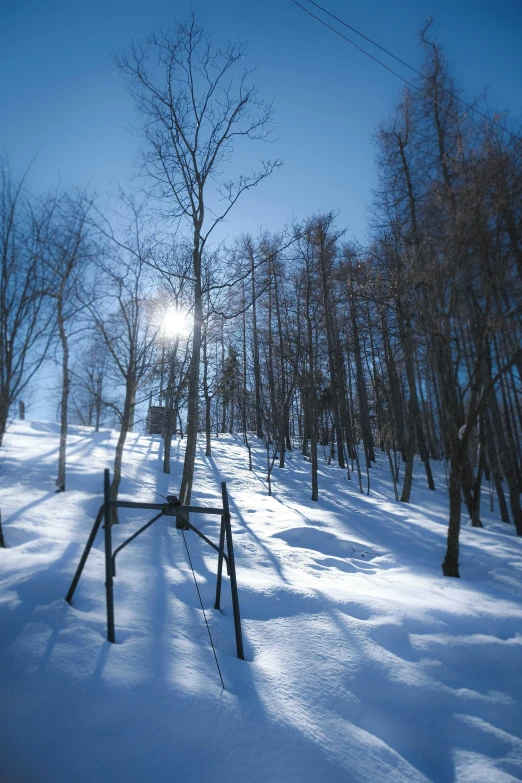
x,y
467,105
376,59
366,38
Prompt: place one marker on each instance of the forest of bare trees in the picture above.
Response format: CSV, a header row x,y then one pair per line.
x,y
409,346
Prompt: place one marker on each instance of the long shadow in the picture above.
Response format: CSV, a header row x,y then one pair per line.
x,y
151,601
237,513
400,526
165,550
16,514
40,589
39,460
383,705
41,465
103,656
393,525
378,695
204,562
53,638
391,702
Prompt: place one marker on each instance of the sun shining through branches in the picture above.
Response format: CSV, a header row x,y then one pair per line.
x,y
175,323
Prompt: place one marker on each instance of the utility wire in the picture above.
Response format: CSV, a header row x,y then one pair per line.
x,y
366,38
467,105
204,615
376,59
147,486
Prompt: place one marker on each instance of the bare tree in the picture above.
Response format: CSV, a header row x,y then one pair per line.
x,y
172,264
194,112
454,279
129,329
88,379
68,254
26,314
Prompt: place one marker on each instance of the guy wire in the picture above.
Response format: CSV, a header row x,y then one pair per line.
x,y
204,615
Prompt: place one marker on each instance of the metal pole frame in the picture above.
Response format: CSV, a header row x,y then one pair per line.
x,y
165,509
220,563
108,559
85,555
232,567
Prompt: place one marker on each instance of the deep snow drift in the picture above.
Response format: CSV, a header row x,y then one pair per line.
x,y
364,663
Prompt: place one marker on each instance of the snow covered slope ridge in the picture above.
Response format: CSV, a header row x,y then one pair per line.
x,y
364,663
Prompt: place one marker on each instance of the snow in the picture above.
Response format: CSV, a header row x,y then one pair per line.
x,y
363,662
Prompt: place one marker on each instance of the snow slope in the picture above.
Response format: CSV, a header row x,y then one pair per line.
x,y
363,662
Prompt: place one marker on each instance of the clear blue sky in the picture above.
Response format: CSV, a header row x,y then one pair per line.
x,y
61,94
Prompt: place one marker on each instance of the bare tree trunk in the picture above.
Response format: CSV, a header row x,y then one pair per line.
x,y
98,403
193,399
274,425
208,398
170,410
477,485
130,394
325,268
244,400
415,431
313,455
506,463
132,410
450,566
410,454
257,368
312,417
4,412
392,472
361,390
167,439
355,445
495,471
283,402
395,396
60,481
304,433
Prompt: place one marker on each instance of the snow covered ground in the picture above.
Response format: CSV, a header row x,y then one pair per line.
x,y
363,662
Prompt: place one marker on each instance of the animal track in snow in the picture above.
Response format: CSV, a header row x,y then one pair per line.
x,y
326,543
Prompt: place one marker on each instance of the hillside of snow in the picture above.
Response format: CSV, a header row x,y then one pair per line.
x,y
363,662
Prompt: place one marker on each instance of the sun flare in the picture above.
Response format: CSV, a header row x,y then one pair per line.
x,y
175,323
